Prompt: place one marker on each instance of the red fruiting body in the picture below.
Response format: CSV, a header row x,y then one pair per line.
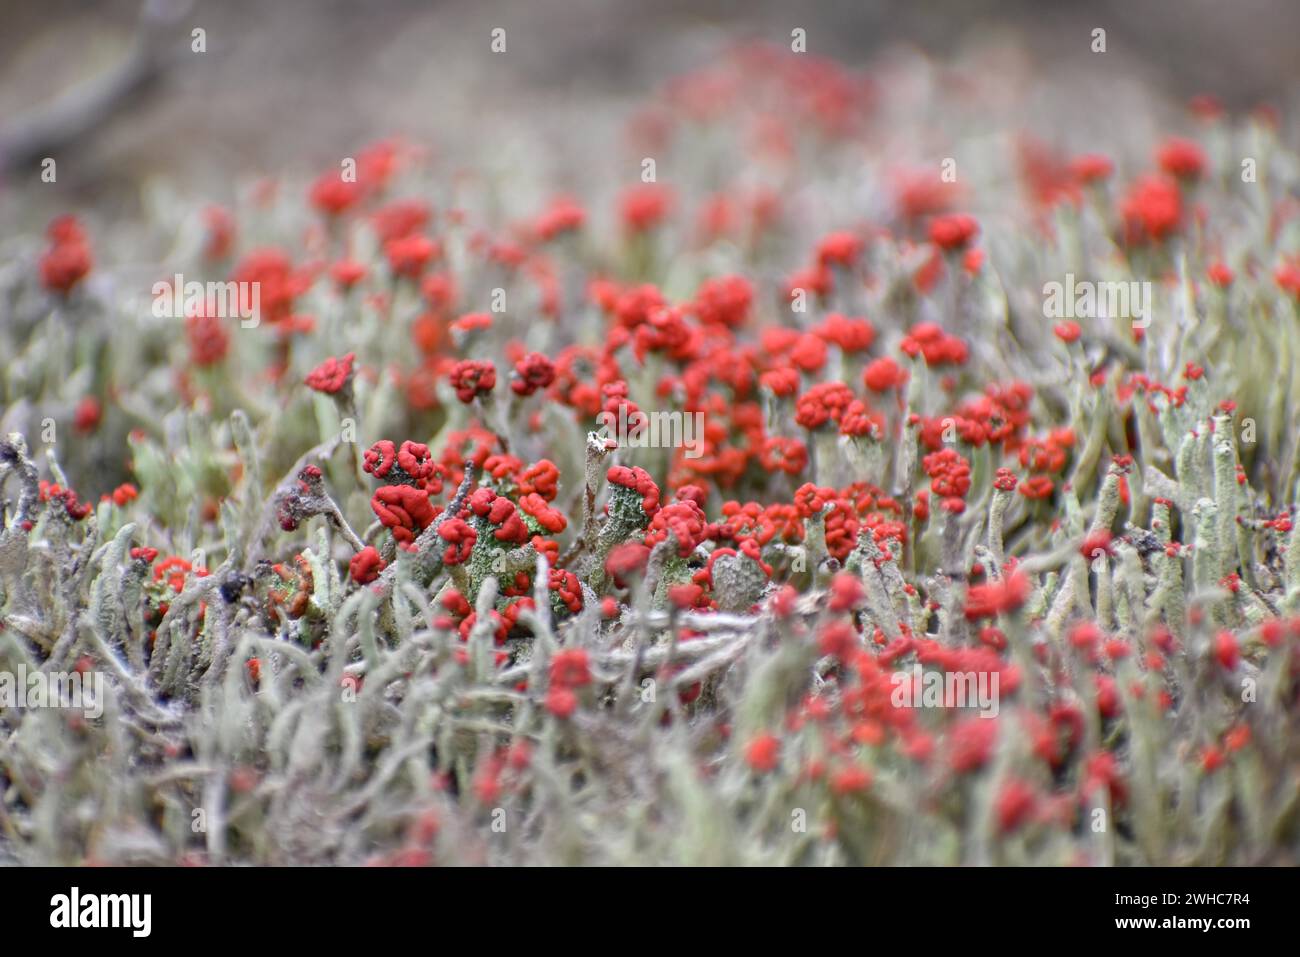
x,y
551,519
500,512
366,565
409,465
534,371
1181,158
763,752
472,377
953,232
541,478
333,195
565,586
840,249
1068,331
884,374
823,403
1015,802
87,415
1152,209
68,260
645,206
949,473
971,743
1226,650
332,375
724,301
460,539
997,598
208,339
639,481
409,256
561,702
850,780
1091,168
627,560
570,668
404,510
846,592
934,345
685,521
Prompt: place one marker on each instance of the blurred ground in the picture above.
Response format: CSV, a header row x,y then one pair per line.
x,y
297,83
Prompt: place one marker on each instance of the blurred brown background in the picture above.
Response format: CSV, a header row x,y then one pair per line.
x,y
295,83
